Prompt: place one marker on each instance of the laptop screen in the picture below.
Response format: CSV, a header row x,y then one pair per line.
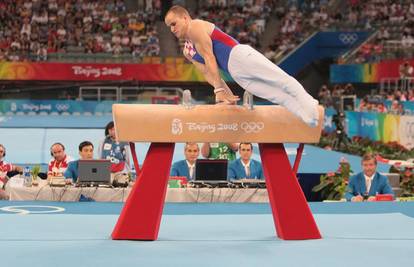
x,y
211,170
94,171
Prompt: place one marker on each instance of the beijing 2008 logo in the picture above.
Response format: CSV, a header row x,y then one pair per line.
x,y
252,127
176,127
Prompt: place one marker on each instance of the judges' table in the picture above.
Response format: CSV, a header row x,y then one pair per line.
x,y
44,192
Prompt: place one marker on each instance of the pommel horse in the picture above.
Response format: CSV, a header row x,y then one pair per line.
x,y
165,125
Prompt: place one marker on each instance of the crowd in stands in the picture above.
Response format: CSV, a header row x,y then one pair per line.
x,y
394,23
377,103
244,20
34,29
297,21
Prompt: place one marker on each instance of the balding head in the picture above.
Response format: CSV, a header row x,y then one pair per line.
x,y
179,11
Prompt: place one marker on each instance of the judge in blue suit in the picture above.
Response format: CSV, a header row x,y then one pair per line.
x,y
245,167
366,184
186,167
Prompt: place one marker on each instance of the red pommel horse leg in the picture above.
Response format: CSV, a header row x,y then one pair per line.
x,y
291,213
166,124
141,216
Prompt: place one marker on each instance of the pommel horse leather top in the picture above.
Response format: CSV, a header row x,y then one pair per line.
x,y
165,125
212,123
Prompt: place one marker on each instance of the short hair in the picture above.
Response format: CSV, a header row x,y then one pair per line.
x,y
110,125
369,156
178,10
190,144
83,144
251,146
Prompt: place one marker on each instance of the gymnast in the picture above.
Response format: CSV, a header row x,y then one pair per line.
x,y
209,49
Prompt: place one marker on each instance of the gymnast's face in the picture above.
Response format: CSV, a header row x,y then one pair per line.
x,y
178,24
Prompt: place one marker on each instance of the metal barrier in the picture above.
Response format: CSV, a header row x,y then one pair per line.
x,y
392,84
123,93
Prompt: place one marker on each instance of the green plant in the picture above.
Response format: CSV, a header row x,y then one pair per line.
x,y
333,185
35,171
361,145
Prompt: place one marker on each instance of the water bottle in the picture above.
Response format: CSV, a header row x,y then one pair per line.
x,y
27,177
133,174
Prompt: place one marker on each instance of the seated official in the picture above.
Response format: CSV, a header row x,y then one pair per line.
x,y
59,162
186,167
368,183
245,167
85,152
5,168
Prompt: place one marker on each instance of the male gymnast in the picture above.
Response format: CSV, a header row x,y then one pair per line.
x,y
209,49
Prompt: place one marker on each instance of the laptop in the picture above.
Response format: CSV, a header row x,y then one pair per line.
x,y
94,172
211,171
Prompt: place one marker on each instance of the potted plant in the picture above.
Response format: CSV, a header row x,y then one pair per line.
x,y
333,185
35,172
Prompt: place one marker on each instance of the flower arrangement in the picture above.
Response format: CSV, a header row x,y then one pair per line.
x,y
333,185
361,145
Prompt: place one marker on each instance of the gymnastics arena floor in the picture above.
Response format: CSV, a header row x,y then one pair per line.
x,y
219,234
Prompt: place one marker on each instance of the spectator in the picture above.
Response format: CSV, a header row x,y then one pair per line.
x,y
116,152
186,167
85,152
383,34
245,166
219,150
406,73
368,183
59,162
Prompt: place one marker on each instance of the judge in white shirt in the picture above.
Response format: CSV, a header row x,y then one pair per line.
x,y
368,183
186,167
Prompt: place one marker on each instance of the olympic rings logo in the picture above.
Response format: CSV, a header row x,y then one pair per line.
x,y
25,209
252,127
62,107
348,38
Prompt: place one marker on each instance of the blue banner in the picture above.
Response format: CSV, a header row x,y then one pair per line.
x,y
329,125
27,106
319,46
369,125
352,123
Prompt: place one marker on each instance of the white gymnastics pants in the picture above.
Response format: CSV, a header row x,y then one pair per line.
x,y
258,75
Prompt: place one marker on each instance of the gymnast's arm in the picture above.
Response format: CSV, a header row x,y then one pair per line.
x,y
204,46
202,68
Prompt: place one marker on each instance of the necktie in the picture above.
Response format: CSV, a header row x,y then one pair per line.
x,y
247,171
368,184
191,172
